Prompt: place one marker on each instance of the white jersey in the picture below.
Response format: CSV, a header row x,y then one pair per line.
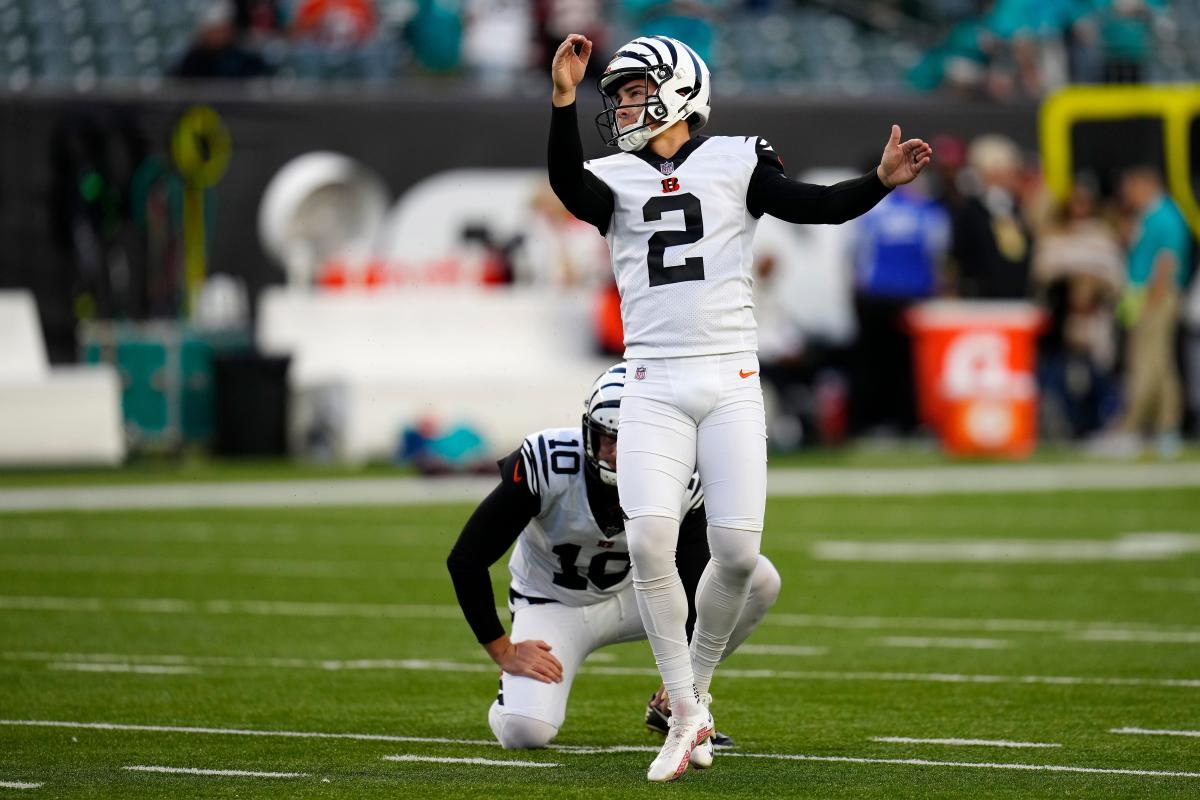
x,y
680,239
563,554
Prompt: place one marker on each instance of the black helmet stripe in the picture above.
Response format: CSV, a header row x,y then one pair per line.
x,y
648,43
608,404
635,56
670,48
696,64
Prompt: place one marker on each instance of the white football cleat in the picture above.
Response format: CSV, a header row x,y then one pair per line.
x,y
702,753
676,753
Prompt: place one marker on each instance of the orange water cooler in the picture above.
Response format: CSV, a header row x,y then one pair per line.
x,y
976,384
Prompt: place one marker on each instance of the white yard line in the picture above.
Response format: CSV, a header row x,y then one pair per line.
x,y
945,642
1152,732
922,677
1170,584
447,611
798,482
1154,637
921,762
781,650
442,665
1136,546
224,773
961,742
119,726
268,608
20,785
141,669
576,750
486,762
839,622
142,565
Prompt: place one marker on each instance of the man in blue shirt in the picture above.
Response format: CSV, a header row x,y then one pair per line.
x,y
1159,259
902,244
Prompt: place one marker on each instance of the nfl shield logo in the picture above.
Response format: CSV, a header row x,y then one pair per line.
x,y
639,373
667,167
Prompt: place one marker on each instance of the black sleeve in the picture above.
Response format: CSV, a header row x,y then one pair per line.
x,y
691,557
584,195
488,534
773,192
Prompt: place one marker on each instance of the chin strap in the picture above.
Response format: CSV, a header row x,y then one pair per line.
x,y
636,140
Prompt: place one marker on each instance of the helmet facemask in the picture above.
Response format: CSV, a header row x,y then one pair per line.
x,y
601,414
594,428
667,104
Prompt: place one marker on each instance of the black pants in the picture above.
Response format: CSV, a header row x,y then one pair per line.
x,y
882,390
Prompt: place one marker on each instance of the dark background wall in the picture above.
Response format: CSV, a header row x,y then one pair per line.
x,y
404,136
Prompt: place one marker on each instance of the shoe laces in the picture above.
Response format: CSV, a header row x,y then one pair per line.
x,y
676,729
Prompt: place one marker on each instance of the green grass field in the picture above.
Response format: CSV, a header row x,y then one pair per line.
x,y
343,621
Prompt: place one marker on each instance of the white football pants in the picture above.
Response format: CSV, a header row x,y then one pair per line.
x,y
528,713
679,415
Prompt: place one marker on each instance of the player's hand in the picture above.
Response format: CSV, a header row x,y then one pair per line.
x,y
530,659
902,162
568,66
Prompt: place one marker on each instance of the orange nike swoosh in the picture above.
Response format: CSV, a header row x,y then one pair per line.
x,y
517,472
745,374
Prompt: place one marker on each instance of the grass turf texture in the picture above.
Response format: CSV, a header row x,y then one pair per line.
x,y
394,557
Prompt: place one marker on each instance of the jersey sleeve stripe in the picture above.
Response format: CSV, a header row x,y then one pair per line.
x,y
535,484
544,458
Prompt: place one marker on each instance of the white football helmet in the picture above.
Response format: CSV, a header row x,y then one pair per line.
x,y
601,410
683,90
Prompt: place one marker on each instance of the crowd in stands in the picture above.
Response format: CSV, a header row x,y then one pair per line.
x,y
1000,49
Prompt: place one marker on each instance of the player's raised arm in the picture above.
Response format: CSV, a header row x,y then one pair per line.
x,y
581,192
773,192
570,62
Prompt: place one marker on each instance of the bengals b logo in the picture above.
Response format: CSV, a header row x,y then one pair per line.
x,y
670,185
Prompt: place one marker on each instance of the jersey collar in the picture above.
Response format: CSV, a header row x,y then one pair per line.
x,y
668,166
604,505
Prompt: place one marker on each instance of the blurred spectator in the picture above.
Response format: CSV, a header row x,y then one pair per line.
x,y
336,23
1078,272
947,172
497,41
686,20
260,18
553,20
991,243
215,51
1159,259
901,251
557,249
782,354
960,61
434,33
1126,37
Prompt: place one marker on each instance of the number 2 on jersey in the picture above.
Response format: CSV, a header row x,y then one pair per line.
x,y
692,268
